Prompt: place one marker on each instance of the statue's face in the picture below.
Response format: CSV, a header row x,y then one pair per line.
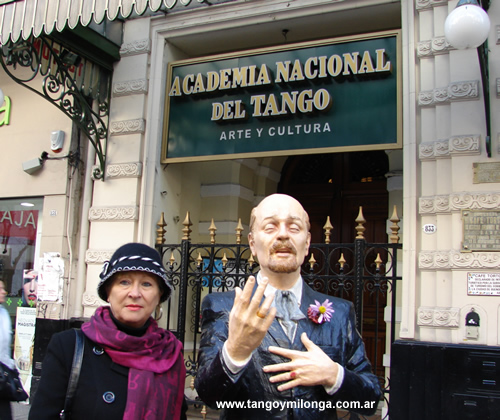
x,y
280,237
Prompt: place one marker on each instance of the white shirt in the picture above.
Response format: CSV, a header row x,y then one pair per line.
x,y
236,366
5,338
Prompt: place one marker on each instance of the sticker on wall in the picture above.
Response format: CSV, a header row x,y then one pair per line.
x,y
50,284
429,228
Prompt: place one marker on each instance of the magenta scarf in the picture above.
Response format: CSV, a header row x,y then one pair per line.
x,y
157,373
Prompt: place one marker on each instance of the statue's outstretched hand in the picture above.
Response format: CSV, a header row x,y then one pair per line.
x,y
249,320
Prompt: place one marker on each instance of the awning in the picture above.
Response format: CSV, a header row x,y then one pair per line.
x,y
23,18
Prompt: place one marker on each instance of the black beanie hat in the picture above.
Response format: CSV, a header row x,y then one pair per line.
x,y
134,257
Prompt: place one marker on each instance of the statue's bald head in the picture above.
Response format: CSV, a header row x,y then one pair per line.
x,y
277,201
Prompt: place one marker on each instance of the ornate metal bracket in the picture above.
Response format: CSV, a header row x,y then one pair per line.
x,y
69,82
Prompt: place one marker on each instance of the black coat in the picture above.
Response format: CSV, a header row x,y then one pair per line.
x,y
102,387
338,338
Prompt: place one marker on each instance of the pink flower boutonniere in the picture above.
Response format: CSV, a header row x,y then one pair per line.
x,y
320,312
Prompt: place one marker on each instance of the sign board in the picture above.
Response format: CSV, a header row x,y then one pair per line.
x,y
483,284
485,172
481,230
316,97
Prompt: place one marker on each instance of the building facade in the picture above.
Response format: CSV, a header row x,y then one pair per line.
x,y
439,175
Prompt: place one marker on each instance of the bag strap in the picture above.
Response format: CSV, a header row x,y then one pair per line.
x,y
75,373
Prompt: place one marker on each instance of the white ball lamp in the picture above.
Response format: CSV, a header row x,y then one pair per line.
x,y
467,26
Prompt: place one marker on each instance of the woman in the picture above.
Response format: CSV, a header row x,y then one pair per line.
x,y
5,350
131,368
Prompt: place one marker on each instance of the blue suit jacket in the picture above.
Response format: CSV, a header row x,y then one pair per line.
x,y
338,338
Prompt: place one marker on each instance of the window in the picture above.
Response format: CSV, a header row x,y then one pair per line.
x,y
20,230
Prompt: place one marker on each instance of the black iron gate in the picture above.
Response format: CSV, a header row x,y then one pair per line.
x,y
365,273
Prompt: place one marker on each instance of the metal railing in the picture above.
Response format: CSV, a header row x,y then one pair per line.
x,y
364,273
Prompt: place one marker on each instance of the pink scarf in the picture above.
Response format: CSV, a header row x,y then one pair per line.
x,y
157,373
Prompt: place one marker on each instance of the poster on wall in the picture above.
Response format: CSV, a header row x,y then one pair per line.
x,y
50,283
30,288
23,344
314,97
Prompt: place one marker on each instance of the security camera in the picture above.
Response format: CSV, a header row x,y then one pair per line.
x,y
33,165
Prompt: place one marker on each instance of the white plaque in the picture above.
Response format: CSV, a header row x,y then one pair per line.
x,y
483,284
429,228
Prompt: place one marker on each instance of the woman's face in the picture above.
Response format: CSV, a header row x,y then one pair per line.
x,y
133,296
30,287
3,292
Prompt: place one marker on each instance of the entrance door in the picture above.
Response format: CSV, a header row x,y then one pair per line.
x,y
336,185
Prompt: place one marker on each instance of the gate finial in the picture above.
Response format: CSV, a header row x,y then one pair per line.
x,y
238,230
187,225
342,261
360,220
212,230
394,237
328,228
160,232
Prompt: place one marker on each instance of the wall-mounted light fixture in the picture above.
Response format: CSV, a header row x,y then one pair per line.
x,y
468,26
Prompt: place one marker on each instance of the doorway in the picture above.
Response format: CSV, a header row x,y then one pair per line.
x,y
336,185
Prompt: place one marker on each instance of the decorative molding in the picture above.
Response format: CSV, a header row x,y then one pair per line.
x,y
91,299
135,48
424,49
97,214
95,256
118,128
130,87
439,260
436,204
124,170
460,91
428,4
459,201
464,145
438,317
435,46
475,201
454,146
457,91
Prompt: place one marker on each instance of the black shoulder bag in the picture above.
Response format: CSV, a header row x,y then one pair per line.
x,y
11,387
74,376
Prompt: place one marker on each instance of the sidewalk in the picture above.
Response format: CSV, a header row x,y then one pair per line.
x,y
21,411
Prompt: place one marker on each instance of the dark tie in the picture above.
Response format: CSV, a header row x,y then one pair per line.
x,y
288,311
